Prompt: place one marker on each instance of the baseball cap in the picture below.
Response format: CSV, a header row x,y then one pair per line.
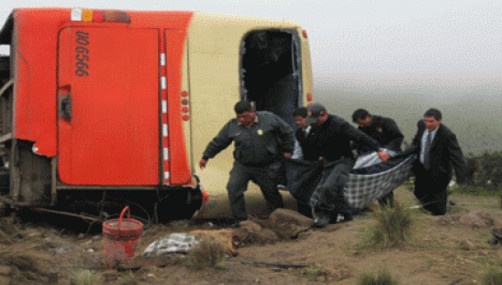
x,y
314,111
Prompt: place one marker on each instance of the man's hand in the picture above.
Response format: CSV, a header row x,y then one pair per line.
x,y
202,163
287,155
384,156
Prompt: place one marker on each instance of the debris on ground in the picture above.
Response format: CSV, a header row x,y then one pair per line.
x,y
282,224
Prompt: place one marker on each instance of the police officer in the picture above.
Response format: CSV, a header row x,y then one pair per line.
x,y
259,137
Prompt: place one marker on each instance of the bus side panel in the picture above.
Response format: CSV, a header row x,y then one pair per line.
x,y
306,68
109,132
214,46
178,154
35,54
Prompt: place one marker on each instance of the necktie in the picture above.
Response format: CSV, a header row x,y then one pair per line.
x,y
427,148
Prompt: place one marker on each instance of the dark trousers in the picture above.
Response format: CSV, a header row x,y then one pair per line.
x,y
328,196
430,193
264,176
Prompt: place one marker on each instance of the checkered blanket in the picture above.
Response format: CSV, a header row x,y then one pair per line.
x,y
364,186
363,189
172,243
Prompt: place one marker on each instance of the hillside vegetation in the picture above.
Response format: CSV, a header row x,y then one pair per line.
x,y
475,119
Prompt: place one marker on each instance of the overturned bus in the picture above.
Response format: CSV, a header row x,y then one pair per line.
x,y
111,107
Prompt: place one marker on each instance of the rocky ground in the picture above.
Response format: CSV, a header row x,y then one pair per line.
x,y
452,249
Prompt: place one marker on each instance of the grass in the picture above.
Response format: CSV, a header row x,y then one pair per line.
x,y
206,254
475,191
30,263
8,225
313,272
492,276
383,277
392,229
84,277
128,279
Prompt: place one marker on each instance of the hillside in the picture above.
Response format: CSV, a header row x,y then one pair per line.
x,y
450,249
473,118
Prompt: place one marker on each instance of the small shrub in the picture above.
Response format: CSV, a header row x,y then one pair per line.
x,y
84,277
208,253
485,171
493,276
392,228
313,272
383,278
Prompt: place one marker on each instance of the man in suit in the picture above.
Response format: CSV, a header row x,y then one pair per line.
x,y
438,150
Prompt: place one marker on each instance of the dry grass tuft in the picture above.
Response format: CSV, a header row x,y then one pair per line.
x,y
84,277
30,263
383,277
492,276
208,253
8,226
392,229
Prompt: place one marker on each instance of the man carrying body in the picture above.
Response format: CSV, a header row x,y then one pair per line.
x,y
438,149
334,139
385,131
305,136
258,137
382,129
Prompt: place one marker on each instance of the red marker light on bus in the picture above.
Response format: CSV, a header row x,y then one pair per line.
x,y
304,33
99,16
309,97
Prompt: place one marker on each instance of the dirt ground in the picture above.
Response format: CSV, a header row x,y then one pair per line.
x,y
452,249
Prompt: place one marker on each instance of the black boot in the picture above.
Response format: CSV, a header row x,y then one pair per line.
x,y
322,219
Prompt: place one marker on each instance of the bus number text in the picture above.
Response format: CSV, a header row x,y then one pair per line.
x,y
82,54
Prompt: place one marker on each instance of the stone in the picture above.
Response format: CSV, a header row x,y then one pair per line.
x,y
287,223
477,219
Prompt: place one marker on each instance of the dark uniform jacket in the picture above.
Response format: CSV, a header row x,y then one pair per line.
x,y
261,145
444,152
334,138
385,131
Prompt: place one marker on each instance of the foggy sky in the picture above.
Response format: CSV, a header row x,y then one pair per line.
x,y
451,47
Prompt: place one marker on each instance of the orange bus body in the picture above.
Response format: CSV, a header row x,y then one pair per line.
x,y
128,146
127,100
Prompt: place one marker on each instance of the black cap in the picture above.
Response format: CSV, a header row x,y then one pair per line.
x,y
314,111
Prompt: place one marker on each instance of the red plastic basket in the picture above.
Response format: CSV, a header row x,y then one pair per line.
x,y
120,237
